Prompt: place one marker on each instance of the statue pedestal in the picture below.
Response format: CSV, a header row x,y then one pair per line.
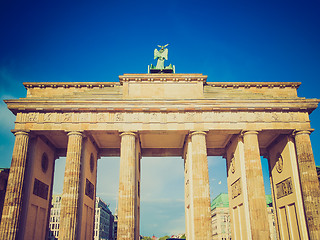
x,y
169,69
161,71
163,86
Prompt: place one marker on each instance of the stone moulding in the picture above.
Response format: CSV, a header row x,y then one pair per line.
x,y
90,105
254,84
173,101
29,85
162,78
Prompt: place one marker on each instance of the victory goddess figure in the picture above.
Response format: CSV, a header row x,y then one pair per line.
x,y
161,55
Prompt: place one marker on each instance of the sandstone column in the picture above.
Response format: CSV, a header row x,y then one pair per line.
x,y
13,199
69,217
127,187
188,189
200,184
309,182
255,187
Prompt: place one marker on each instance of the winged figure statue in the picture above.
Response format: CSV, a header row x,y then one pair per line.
x,y
161,55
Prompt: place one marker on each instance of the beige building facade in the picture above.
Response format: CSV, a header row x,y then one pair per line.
x,y
163,115
220,217
103,223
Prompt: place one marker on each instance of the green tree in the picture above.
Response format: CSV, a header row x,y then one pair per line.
x,y
164,238
183,236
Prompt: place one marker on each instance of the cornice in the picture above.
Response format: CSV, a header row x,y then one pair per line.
x,y
237,85
162,78
107,105
88,85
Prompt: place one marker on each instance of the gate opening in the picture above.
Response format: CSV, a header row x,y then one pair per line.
x,y
162,196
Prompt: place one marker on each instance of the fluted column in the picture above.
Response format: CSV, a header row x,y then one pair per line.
x,y
309,182
255,187
13,200
188,189
201,190
69,217
127,187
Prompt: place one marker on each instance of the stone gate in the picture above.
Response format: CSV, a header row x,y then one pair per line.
x,y
163,115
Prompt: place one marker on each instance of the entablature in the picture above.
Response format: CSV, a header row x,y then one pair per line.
x,y
216,105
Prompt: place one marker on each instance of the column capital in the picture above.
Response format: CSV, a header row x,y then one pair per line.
x,y
245,132
298,132
20,132
128,133
197,132
80,133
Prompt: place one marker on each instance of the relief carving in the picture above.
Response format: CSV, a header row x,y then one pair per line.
x,y
40,189
189,116
284,188
118,117
171,117
47,117
232,164
32,117
154,117
206,117
279,163
136,117
83,117
44,163
236,188
275,117
67,117
100,117
89,191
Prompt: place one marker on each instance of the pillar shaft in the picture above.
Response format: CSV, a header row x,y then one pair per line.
x,y
200,183
309,182
255,187
70,197
188,189
13,200
127,188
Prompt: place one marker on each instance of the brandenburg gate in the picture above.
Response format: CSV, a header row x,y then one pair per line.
x,y
163,114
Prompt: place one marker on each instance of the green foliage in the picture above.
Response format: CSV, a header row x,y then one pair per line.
x,y
183,236
164,238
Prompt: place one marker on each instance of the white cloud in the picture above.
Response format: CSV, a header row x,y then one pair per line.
x,y
177,225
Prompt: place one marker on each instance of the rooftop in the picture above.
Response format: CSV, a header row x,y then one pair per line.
x,y
222,201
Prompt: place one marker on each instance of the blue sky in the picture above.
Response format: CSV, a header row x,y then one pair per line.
x,y
97,41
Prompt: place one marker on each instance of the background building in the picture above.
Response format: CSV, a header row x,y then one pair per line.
x,y
103,228
220,217
115,224
4,173
54,221
221,228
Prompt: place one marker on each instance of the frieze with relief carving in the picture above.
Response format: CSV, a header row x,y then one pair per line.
x,y
161,116
284,188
